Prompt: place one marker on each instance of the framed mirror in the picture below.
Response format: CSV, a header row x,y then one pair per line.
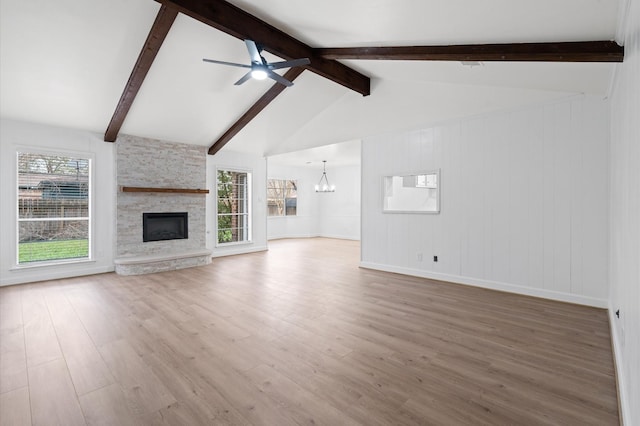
x,y
412,193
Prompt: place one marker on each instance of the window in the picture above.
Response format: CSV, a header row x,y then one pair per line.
x,y
282,197
53,208
234,206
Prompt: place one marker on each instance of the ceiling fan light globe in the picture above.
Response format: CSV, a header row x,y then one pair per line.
x,y
259,74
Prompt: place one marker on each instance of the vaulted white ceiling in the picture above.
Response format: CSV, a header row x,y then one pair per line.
x,y
66,63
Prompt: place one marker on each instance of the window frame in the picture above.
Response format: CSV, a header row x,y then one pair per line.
x,y
249,206
90,208
284,197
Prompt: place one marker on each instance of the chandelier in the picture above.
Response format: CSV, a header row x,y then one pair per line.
x,y
324,187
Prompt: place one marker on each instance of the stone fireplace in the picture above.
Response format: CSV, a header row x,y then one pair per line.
x,y
156,181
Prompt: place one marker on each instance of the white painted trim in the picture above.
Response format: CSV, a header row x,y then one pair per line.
x,y
492,285
239,250
623,401
290,216
624,9
249,212
91,200
334,236
47,275
622,21
339,237
282,237
612,81
292,236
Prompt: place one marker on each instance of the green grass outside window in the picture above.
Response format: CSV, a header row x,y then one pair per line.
x,y
52,250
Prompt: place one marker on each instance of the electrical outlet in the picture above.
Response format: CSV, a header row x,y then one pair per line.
x,y
419,257
435,258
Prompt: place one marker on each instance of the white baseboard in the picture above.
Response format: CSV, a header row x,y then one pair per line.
x,y
283,237
493,285
623,402
340,237
239,249
336,236
50,274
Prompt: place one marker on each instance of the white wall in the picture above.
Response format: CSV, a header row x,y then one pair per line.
x,y
524,199
334,215
14,134
340,210
306,222
625,217
257,165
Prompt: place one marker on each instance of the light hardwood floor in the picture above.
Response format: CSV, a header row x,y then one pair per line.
x,y
297,335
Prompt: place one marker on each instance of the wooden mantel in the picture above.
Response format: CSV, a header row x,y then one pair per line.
x,y
170,190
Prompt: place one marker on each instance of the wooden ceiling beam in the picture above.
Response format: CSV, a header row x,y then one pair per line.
x,y
159,30
236,22
583,51
255,109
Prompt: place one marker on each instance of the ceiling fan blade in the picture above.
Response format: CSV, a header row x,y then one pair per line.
x,y
233,64
254,52
280,79
244,78
289,64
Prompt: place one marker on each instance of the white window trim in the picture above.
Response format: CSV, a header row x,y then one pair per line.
x,y
249,239
56,152
285,215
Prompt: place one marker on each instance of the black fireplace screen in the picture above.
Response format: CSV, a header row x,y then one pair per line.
x,y
164,226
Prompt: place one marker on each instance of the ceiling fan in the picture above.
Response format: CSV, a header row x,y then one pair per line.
x,y
260,68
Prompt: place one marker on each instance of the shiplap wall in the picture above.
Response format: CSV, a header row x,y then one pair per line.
x,y
625,216
524,202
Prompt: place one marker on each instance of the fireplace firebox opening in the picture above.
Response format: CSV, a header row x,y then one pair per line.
x,y
164,226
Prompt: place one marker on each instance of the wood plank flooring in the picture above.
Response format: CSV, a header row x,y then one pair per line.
x,y
297,335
